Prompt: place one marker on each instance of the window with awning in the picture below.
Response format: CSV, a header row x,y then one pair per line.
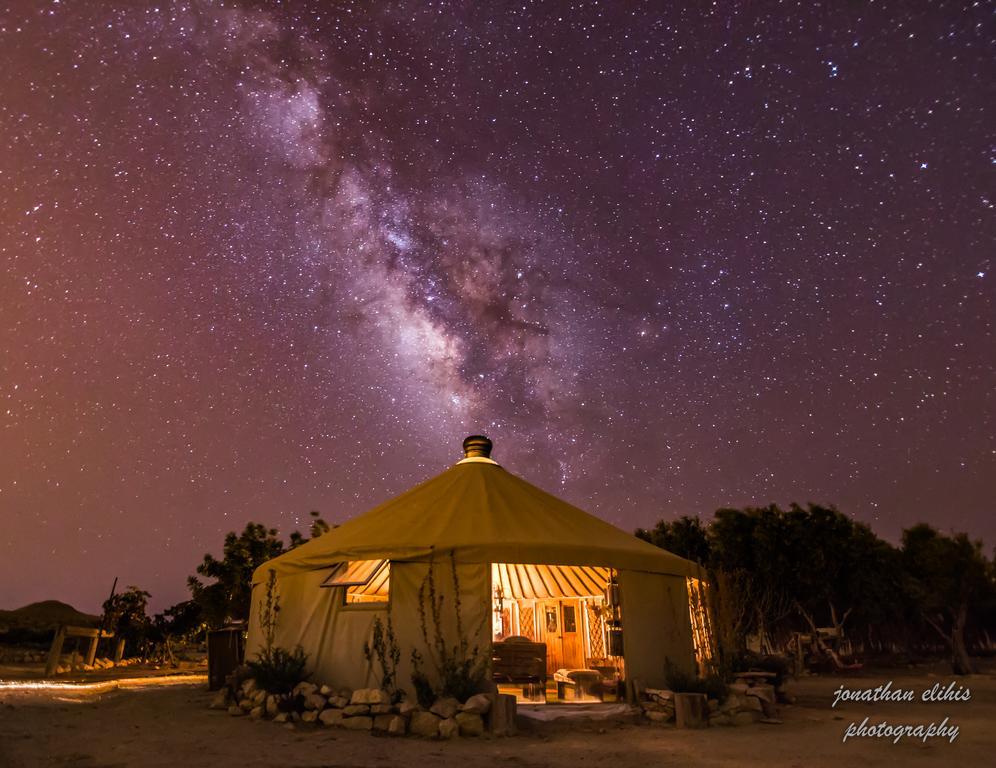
x,y
363,581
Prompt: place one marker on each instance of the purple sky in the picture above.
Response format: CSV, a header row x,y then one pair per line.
x,y
258,261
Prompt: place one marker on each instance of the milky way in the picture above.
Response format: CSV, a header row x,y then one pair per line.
x,y
266,258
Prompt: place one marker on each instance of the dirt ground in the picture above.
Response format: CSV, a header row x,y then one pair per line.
x,y
155,724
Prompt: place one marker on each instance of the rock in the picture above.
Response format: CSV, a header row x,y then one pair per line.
x,y
325,691
745,718
470,723
246,704
732,702
370,696
249,687
339,702
397,726
236,710
651,706
740,688
259,698
354,710
448,728
381,709
256,713
763,692
657,717
220,700
752,703
445,707
718,718
361,723
315,701
424,724
478,704
290,726
304,689
281,717
406,708
272,706
295,717
382,722
331,717
309,717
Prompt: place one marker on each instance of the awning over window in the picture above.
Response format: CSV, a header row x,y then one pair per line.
x,y
540,582
366,577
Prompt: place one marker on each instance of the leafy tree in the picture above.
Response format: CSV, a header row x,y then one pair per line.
x,y
229,596
318,527
685,537
950,574
183,620
125,615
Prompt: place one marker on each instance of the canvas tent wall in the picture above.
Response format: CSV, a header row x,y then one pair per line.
x,y
474,514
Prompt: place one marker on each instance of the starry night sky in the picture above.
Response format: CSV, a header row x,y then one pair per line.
x,y
260,259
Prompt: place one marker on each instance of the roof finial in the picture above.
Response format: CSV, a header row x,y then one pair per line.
x,y
477,445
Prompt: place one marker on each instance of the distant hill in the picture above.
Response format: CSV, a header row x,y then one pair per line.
x,y
47,614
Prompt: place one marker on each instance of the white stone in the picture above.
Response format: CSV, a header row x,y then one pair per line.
x,y
424,724
445,707
478,704
470,723
331,717
448,728
361,723
314,701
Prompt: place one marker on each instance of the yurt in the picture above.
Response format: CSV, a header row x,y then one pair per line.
x,y
562,606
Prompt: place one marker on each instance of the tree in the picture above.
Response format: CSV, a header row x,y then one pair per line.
x,y
125,616
685,537
950,573
229,597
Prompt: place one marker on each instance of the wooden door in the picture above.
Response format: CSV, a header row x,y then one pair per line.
x,y
549,626
570,634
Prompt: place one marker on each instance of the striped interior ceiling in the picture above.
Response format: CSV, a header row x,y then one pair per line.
x,y
363,577
539,582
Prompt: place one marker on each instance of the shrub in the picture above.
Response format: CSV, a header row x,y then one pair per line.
x,y
461,667
384,648
713,686
275,670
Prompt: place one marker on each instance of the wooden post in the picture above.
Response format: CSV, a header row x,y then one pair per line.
x,y
55,652
119,650
91,653
690,710
501,717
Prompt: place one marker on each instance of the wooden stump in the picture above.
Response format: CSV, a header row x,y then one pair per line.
x,y
691,710
501,717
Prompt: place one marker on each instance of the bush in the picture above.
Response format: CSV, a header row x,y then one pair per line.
x,y
277,670
713,686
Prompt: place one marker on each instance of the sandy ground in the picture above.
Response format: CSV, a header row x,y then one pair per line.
x,y
154,724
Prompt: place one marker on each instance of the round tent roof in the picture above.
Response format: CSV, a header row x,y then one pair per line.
x,y
482,514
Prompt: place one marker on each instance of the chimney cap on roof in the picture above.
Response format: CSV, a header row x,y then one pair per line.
x,y
477,445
